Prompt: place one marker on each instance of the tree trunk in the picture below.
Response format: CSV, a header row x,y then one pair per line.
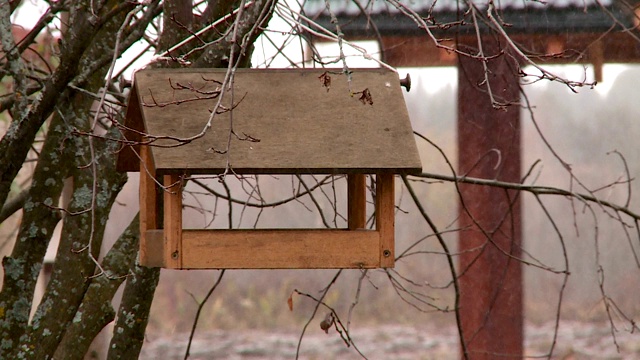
x,y
133,315
97,301
81,240
39,219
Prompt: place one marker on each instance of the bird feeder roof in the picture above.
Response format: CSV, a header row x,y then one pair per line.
x,y
270,122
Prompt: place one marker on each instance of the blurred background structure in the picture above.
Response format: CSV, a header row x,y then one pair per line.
x,y
495,108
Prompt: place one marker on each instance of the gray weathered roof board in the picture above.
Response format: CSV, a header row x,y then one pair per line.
x,y
348,7
523,16
302,126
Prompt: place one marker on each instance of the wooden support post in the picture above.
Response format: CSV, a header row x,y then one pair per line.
x,y
385,218
357,201
172,221
596,55
489,147
148,203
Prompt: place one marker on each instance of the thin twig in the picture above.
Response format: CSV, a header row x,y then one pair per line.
x,y
197,317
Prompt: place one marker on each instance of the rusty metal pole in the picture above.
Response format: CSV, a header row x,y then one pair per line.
x,y
489,147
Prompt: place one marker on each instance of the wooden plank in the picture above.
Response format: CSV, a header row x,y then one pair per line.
x,y
172,221
155,249
618,47
385,218
148,204
280,249
303,125
357,201
414,51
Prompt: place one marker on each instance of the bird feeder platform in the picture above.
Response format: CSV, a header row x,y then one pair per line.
x,y
185,122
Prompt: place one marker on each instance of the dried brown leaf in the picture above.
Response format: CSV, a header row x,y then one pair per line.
x,y
325,79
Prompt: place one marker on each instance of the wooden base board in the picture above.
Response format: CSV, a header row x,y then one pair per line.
x,y
270,249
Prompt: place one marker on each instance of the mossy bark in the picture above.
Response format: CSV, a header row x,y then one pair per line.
x,y
82,235
39,219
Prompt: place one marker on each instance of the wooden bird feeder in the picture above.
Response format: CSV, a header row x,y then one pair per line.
x,y
306,121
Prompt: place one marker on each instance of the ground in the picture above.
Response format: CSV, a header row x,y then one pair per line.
x,y
576,340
